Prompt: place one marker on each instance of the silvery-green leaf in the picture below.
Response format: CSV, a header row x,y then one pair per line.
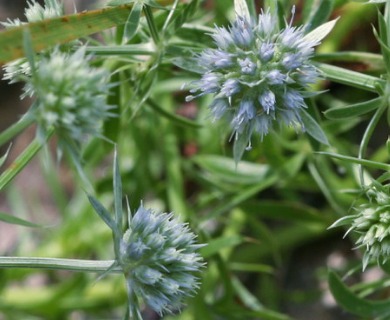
x,y
320,32
241,9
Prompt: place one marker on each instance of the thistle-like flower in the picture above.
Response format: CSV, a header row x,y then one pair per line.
x,y
257,74
70,95
158,254
159,258
372,224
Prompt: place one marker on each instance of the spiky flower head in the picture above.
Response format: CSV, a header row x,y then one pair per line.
x,y
19,69
372,224
70,95
160,260
257,73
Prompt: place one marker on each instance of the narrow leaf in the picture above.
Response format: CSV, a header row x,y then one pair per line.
x,y
368,163
102,212
353,110
179,120
46,33
354,304
320,32
216,245
317,13
132,22
5,217
313,128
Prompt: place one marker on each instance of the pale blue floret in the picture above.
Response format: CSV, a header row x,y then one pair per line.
x,y
275,77
218,108
242,32
293,99
246,112
267,101
266,51
230,87
292,61
247,66
222,38
212,58
267,24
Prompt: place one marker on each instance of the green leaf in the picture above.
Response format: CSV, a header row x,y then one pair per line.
x,y
22,160
227,170
284,210
102,212
188,64
47,33
368,163
352,78
240,144
216,245
117,184
5,217
353,110
179,120
319,33
354,304
316,13
313,128
132,22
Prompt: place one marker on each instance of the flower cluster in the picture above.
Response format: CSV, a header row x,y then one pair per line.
x,y
19,69
257,74
372,223
70,95
159,258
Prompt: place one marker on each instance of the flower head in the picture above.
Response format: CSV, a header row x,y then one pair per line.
x,y
372,224
256,62
159,257
70,95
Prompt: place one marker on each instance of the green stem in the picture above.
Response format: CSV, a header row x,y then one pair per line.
x,y
352,78
152,26
23,159
120,50
367,136
58,264
15,129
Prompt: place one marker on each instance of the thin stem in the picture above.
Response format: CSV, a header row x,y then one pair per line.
x,y
367,136
23,159
170,15
58,264
152,26
15,129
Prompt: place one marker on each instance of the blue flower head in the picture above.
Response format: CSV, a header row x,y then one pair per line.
x,y
257,74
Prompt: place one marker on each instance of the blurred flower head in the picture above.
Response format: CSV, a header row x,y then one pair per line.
x,y
257,74
70,95
160,260
372,224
